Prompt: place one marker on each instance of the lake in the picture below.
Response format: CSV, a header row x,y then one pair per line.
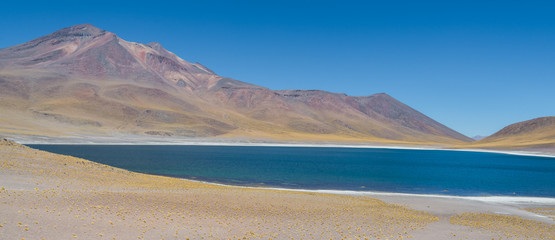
x,y
458,173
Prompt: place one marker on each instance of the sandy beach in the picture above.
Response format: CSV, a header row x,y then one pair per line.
x,y
51,196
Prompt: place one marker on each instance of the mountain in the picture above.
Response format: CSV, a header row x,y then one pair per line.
x,y
478,137
535,133
84,81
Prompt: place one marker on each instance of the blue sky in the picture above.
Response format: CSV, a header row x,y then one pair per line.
x,y
475,66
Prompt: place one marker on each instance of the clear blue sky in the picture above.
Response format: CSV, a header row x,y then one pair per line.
x,y
474,66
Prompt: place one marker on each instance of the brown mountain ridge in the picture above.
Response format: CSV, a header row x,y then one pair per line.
x,y
538,133
83,81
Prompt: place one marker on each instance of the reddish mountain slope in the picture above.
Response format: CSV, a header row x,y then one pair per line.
x,y
534,133
83,80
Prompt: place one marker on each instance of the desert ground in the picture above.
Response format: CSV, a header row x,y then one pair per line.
x,y
51,196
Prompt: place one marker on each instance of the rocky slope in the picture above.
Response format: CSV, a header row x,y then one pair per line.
x,y
85,81
535,133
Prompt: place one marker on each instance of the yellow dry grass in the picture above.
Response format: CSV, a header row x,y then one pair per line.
x,y
514,142
52,196
506,227
549,212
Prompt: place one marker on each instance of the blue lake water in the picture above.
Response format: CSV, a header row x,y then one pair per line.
x,y
361,169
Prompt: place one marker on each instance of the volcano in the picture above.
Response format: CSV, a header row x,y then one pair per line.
x,y
84,81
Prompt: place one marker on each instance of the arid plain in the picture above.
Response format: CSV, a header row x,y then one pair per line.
x,y
50,196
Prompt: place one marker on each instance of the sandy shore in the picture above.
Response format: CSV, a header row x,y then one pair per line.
x,y
50,196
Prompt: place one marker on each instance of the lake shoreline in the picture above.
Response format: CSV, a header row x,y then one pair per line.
x,y
140,140
502,199
442,205
331,168
90,200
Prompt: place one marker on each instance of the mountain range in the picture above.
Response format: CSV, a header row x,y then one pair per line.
x,y
84,81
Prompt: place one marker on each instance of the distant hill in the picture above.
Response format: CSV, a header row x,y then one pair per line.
x,y
84,81
478,137
535,133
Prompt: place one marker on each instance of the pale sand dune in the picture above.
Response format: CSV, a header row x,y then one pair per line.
x,y
50,196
